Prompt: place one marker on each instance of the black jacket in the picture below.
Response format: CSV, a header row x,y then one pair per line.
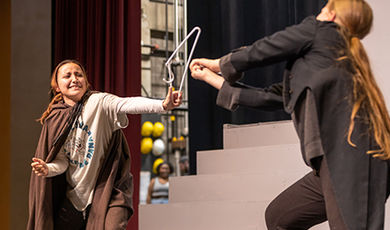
x,y
311,48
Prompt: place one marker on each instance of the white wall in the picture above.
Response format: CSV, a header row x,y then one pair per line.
x,y
377,44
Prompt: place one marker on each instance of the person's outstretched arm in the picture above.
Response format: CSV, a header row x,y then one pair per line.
x,y
142,105
204,74
281,46
211,64
230,97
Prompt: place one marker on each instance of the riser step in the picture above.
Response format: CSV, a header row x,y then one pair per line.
x,y
203,216
232,187
278,158
206,216
259,134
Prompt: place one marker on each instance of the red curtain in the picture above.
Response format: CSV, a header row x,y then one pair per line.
x,y
105,37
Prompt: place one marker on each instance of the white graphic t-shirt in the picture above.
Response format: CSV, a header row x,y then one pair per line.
x,y
84,150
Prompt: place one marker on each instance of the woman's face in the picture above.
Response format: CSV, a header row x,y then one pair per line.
x,y
164,171
71,83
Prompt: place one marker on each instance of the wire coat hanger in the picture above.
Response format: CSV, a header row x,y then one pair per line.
x,y
171,76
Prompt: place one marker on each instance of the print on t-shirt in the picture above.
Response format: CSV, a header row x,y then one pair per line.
x,y
80,147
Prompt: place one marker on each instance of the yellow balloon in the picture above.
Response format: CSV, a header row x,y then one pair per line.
x,y
147,129
158,129
146,145
156,163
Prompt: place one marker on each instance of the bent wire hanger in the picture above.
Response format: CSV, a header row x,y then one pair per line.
x,y
171,77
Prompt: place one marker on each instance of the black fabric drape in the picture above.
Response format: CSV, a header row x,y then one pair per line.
x,y
226,25
105,37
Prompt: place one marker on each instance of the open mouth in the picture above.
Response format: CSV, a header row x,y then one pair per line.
x,y
75,87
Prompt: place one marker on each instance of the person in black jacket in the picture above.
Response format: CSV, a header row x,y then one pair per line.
x,y
338,111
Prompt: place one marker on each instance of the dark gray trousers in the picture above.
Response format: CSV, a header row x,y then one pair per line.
x,y
307,202
69,218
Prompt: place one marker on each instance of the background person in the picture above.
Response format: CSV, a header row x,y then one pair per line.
x,y
158,190
184,166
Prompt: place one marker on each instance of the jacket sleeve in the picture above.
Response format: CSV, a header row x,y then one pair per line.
x,y
281,46
230,97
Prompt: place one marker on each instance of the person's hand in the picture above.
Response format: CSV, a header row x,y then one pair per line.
x,y
39,167
211,64
204,74
172,100
201,73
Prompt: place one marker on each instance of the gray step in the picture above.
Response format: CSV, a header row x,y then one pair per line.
x,y
226,215
259,134
278,158
233,187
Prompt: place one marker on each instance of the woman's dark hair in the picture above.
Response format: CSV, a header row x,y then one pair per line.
x,y
167,163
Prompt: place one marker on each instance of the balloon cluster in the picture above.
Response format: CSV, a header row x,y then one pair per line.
x,y
148,129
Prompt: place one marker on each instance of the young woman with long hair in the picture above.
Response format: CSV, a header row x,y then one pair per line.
x,y
81,170
338,111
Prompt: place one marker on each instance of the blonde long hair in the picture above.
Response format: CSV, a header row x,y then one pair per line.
x,y
57,96
355,17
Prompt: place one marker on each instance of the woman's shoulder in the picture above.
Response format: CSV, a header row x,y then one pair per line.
x,y
99,97
102,95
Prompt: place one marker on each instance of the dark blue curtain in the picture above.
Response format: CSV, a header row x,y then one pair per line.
x,y
226,25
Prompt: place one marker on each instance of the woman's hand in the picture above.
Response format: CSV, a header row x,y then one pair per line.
x,y
39,167
211,64
204,74
198,72
201,73
172,100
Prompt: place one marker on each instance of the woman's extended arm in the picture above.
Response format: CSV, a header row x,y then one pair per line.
x,y
141,105
230,97
281,46
204,74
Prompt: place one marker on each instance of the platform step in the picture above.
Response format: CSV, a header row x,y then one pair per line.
x,y
278,158
203,216
259,134
233,187
206,216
